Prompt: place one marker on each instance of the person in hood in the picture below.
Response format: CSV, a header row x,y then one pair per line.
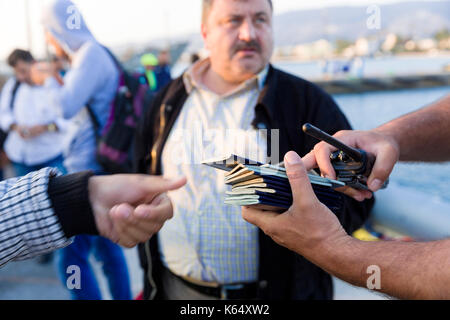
x,y
91,81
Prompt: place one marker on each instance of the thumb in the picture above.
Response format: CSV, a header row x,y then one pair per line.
x,y
301,186
382,168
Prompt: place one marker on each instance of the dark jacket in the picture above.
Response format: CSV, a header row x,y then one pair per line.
x,y
285,103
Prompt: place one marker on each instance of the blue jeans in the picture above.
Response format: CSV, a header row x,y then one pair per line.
x,y
113,265
22,169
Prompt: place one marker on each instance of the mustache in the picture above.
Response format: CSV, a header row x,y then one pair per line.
x,y
247,45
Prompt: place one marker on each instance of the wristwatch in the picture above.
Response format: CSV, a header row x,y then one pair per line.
x,y
52,127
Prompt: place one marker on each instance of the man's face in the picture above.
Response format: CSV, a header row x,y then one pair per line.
x,y
239,36
164,58
22,70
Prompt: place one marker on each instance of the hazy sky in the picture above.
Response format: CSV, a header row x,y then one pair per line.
x,y
116,22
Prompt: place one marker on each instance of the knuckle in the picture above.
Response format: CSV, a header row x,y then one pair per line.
x,y
294,174
391,148
161,219
128,244
155,229
341,133
167,215
318,147
297,176
382,171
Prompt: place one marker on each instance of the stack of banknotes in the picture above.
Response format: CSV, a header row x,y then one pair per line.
x,y
267,186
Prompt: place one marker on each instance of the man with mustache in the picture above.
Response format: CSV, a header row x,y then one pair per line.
x,y
233,102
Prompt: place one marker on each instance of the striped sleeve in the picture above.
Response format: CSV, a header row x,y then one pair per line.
x,y
29,225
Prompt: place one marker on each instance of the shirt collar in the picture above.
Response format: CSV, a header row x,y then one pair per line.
x,y
192,76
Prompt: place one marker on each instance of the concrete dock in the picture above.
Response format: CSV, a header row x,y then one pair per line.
x,y
28,280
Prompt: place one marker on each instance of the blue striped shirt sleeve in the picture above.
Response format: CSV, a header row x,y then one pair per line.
x,y
28,223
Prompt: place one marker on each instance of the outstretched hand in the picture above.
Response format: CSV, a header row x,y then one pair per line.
x,y
129,209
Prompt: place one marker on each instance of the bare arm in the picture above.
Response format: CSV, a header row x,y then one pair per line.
x,y
423,135
408,270
415,270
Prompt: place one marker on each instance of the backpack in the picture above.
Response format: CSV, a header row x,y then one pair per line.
x,y
115,142
3,134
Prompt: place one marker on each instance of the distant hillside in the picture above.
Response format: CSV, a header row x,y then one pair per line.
x,y
417,19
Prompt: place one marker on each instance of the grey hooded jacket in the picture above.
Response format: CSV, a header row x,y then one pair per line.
x,y
93,79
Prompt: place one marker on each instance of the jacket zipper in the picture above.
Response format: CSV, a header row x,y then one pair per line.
x,y
149,271
162,125
154,154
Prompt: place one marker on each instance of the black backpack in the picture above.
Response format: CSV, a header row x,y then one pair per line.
x,y
3,134
115,141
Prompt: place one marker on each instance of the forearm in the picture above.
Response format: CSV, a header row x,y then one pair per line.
x,y
423,135
69,197
408,270
28,224
40,212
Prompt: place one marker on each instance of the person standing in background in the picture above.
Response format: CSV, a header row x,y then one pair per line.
x,y
162,70
149,63
36,131
92,80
